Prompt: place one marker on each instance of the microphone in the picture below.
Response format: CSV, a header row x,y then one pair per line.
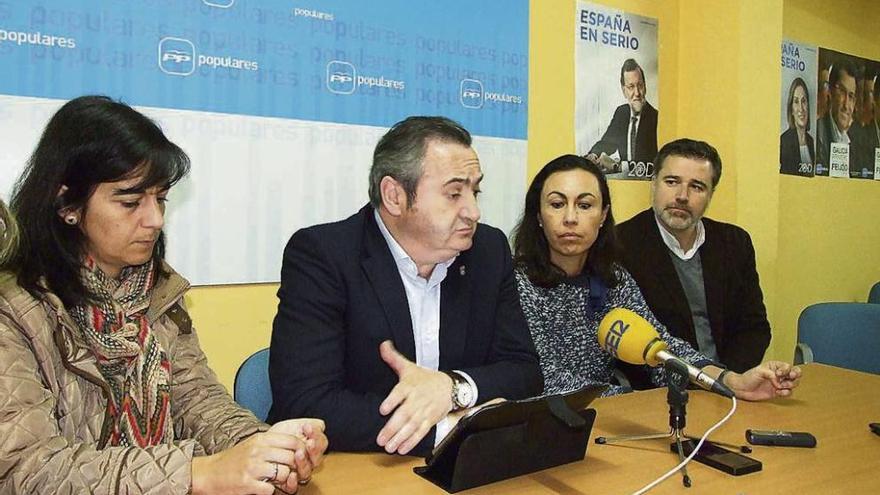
x,y
630,338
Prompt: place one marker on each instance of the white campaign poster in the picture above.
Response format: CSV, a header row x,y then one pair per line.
x,y
797,143
839,160
876,163
616,80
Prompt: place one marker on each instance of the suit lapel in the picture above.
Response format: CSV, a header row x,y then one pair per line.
x,y
455,303
381,271
646,140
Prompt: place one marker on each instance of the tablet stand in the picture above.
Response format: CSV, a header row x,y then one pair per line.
x,y
511,439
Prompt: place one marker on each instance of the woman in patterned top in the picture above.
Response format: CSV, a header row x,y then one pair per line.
x,y
568,279
103,385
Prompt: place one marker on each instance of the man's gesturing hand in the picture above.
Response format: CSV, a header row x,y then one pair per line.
x,y
421,398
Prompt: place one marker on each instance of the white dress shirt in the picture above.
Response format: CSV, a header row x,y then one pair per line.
x,y
673,245
838,136
423,299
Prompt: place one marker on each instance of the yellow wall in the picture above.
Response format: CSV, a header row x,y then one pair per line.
x,y
709,54
551,86
719,64
828,230
720,79
233,322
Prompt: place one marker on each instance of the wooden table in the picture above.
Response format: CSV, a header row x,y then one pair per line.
x,y
833,404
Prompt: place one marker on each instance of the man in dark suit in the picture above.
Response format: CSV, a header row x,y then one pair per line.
x,y
866,139
412,268
834,126
697,275
632,133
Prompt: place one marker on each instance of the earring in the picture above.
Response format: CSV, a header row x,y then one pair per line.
x,y
71,219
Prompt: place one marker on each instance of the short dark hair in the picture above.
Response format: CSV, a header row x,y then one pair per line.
x,y
530,247
630,65
400,152
693,149
797,83
89,141
845,65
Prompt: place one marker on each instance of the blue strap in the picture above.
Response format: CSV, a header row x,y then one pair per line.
x,y
598,293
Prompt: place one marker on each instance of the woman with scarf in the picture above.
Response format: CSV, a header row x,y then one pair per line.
x,y
103,385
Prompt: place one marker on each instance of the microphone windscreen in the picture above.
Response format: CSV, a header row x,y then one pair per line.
x,y
629,337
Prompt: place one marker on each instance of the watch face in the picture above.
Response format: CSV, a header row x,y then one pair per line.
x,y
463,394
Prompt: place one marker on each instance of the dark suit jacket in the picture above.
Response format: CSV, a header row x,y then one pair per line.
x,y
790,152
341,295
823,142
824,134
615,136
864,141
733,295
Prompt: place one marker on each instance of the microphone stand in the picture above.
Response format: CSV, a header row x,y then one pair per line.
x,y
677,398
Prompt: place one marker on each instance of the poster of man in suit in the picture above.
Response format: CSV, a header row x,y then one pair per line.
x,y
616,97
846,135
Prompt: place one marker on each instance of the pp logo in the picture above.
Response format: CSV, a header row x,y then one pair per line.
x,y
177,56
341,77
471,93
223,4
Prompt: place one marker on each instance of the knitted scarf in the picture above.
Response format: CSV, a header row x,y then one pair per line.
x,y
129,356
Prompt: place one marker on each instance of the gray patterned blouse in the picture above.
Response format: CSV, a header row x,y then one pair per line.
x,y
564,330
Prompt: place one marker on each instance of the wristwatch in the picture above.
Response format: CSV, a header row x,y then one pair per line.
x,y
462,393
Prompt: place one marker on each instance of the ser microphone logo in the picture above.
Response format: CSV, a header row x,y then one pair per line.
x,y
471,93
177,56
341,77
615,333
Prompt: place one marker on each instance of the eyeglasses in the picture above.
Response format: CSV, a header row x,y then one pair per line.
x,y
849,94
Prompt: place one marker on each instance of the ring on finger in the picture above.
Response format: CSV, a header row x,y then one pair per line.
x,y
305,481
274,476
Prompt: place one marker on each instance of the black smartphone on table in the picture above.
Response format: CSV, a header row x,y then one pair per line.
x,y
720,458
